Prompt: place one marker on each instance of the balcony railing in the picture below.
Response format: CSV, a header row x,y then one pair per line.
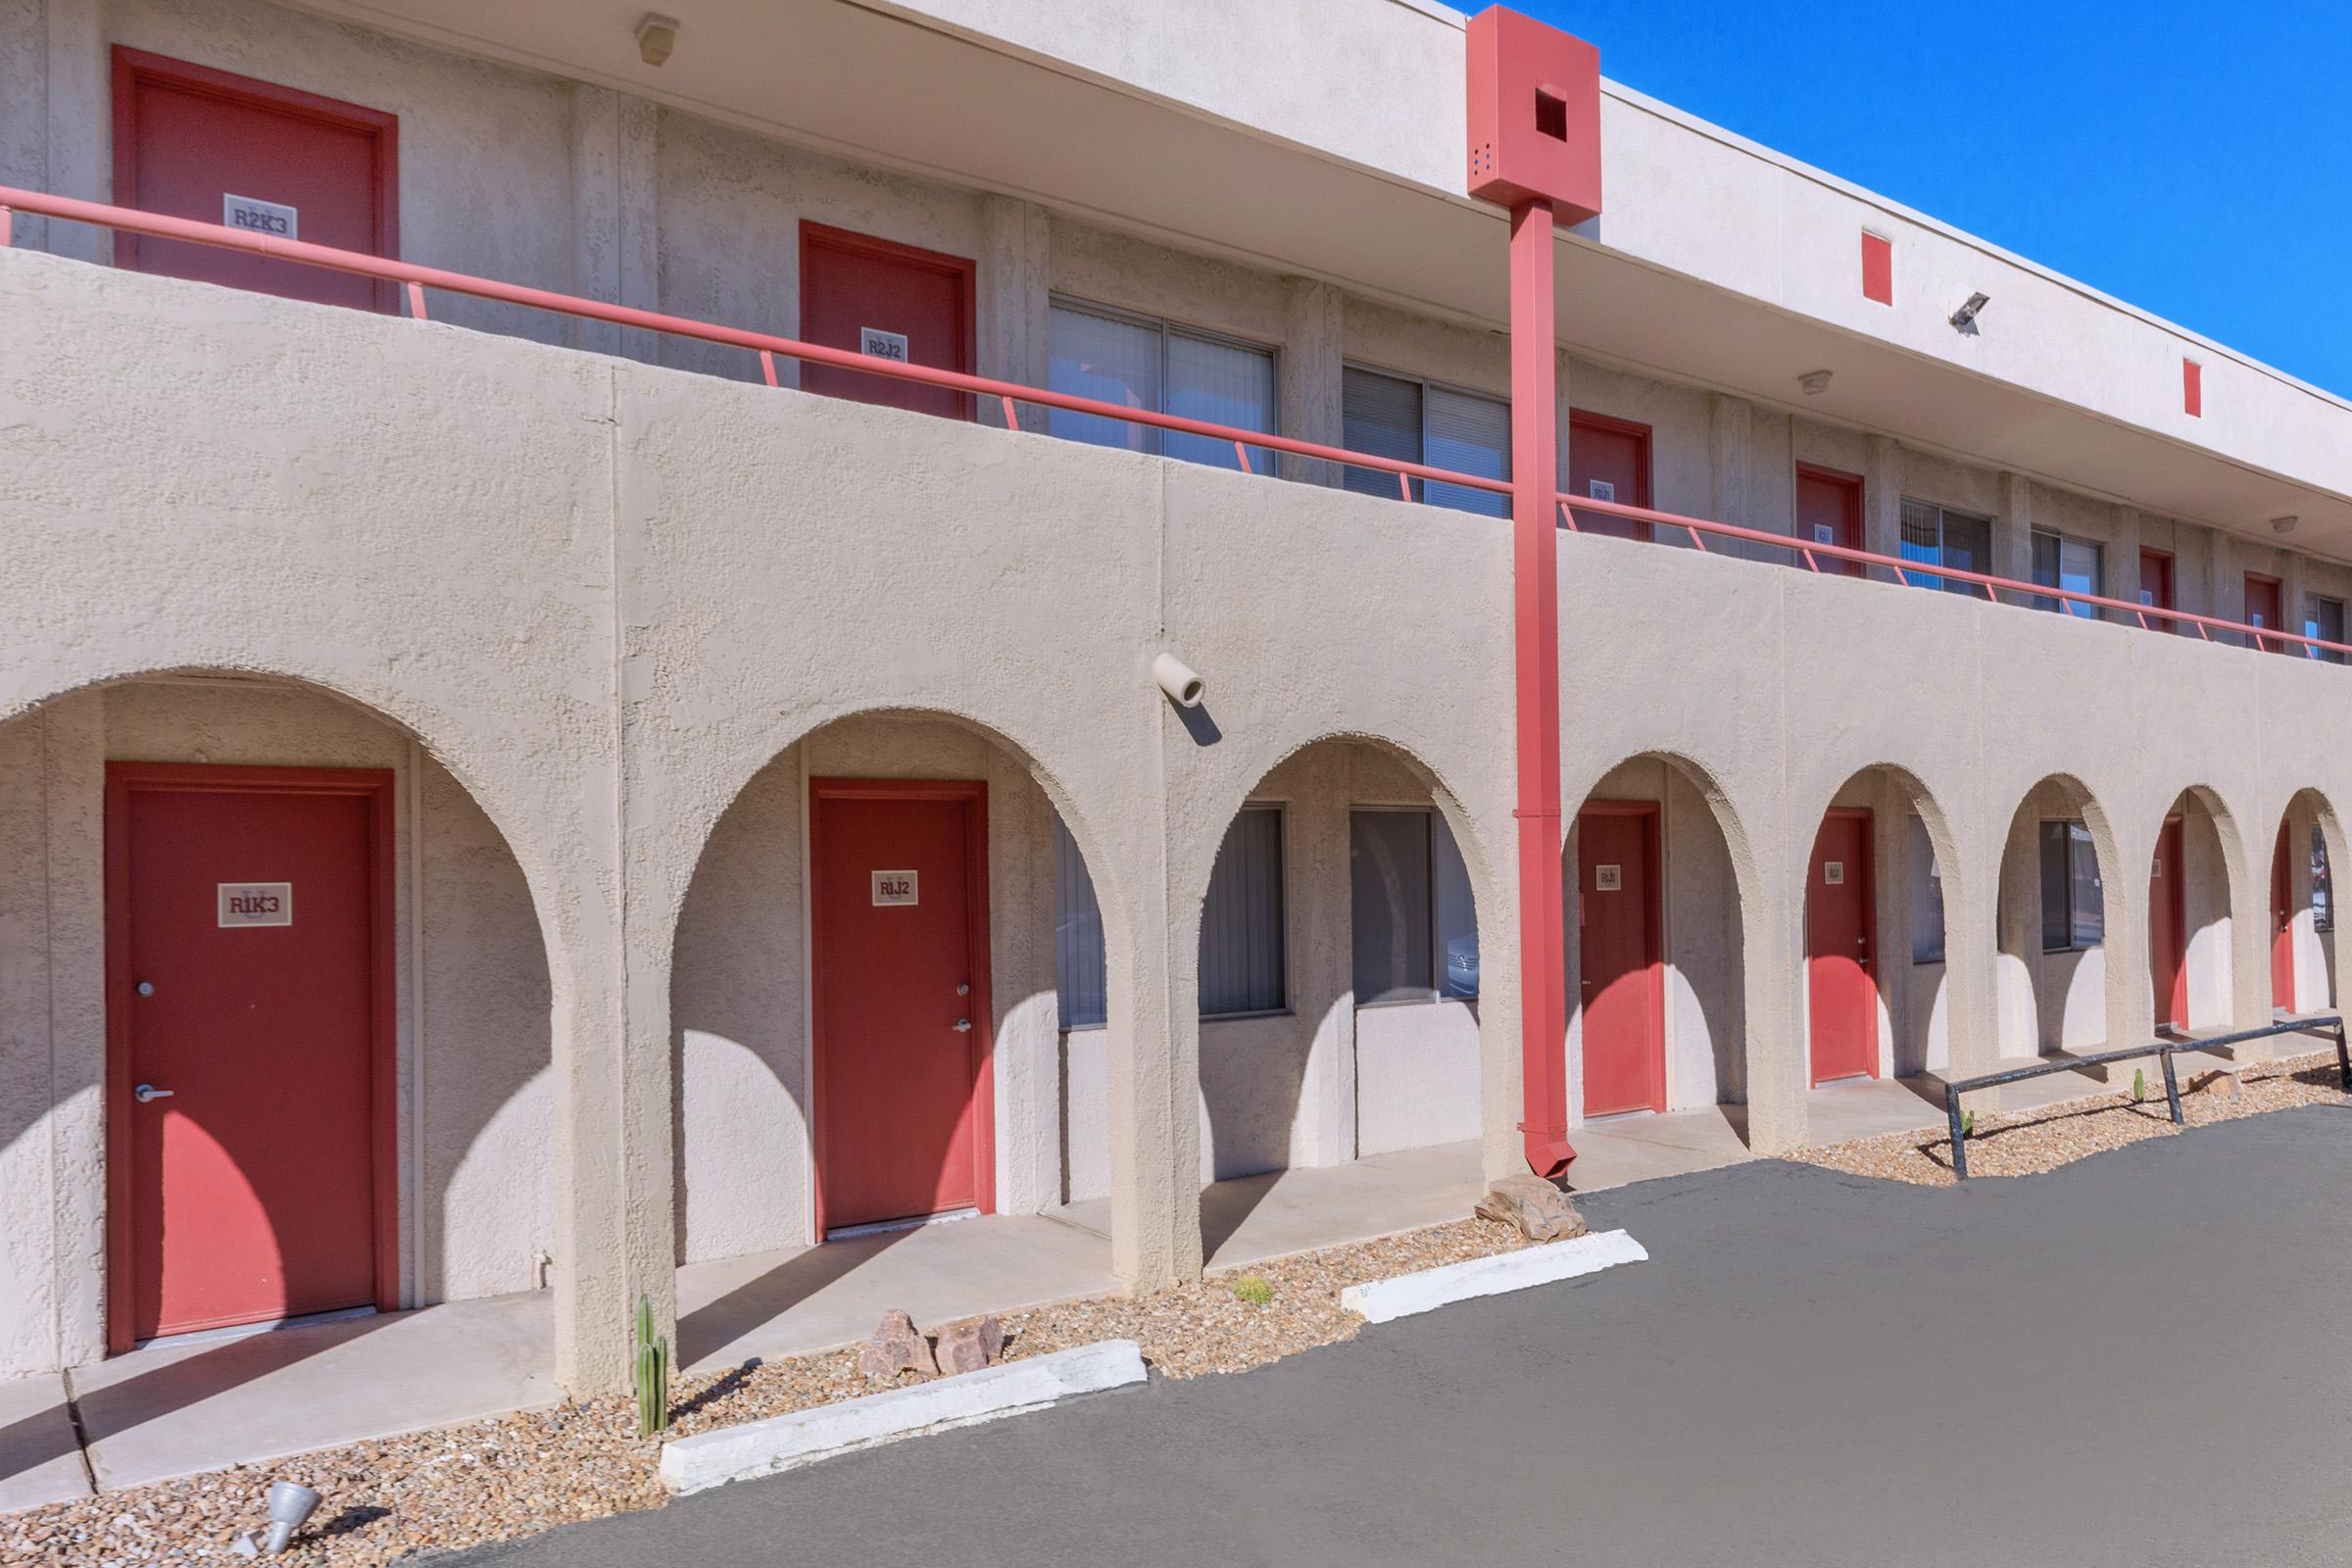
x,y
414,280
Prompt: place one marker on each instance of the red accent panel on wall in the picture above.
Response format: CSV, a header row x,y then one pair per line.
x,y
2193,388
1624,981
249,984
899,885
1877,268
190,138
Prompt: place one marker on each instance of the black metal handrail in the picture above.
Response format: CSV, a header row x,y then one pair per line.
x,y
2163,1049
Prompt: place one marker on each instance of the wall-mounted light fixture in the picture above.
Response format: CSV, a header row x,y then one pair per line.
x,y
657,36
1815,383
2285,525
1963,320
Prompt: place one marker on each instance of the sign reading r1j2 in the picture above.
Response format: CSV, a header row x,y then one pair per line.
x,y
245,903
895,887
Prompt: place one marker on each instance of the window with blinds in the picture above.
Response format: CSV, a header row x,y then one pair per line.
x,y
2074,906
1927,897
2326,622
1412,420
1139,362
1080,977
2061,560
1938,536
1243,962
1414,927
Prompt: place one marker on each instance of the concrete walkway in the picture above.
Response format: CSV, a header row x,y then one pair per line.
x,y
2128,1361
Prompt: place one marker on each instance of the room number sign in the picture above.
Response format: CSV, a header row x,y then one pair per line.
x,y
896,887
248,904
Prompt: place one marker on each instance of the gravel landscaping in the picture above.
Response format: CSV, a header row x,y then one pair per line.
x,y
2029,1142
520,1474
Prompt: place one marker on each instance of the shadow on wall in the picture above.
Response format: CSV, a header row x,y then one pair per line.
x,y
2051,975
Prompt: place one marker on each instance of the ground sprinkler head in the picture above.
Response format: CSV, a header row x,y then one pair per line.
x,y
291,1505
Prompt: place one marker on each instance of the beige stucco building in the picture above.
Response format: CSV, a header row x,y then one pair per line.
x,y
629,656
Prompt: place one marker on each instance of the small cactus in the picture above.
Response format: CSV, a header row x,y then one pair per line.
x,y
2139,1085
1967,1124
652,1373
1252,1289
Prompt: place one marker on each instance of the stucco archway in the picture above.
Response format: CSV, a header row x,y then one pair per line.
x,y
2056,992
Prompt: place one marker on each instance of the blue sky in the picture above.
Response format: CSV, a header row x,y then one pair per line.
x,y
2194,159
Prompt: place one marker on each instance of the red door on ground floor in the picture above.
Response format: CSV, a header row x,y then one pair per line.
x,y
1840,959
2282,924
1829,512
1623,992
2168,928
899,891
249,1045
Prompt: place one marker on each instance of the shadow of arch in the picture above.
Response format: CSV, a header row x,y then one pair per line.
x,y
745,1114
1350,857
1687,1039
2196,952
2053,988
1918,876
2314,844
466,931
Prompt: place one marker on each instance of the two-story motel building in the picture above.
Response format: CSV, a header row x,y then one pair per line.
x,y
499,799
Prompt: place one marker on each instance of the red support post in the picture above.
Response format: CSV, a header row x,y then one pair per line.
x,y
1535,646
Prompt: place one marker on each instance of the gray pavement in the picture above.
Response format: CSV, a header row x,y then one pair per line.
x,y
2138,1359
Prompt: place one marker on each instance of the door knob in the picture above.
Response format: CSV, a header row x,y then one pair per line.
x,y
963,1026
146,1092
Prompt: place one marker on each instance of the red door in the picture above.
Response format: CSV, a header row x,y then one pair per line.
x,y
1829,512
901,945
2168,928
249,1011
1608,459
2283,926
2262,610
1624,991
199,143
893,301
2156,589
1841,950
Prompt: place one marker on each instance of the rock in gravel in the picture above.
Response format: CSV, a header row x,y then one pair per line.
x,y
1541,1210
897,1347
2219,1083
971,1344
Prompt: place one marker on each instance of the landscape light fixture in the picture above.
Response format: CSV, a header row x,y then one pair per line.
x,y
657,36
291,1505
1964,318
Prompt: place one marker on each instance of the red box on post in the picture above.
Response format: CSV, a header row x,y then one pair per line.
x,y
1534,116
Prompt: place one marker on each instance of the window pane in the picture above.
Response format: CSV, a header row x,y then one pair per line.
x,y
1458,913
1967,545
1223,383
1242,963
2323,905
1380,414
1109,359
1388,861
1078,963
2079,572
2045,564
2328,624
2057,928
2089,901
1927,897
1469,435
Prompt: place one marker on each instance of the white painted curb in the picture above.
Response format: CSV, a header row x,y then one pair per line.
x,y
787,1442
1385,1301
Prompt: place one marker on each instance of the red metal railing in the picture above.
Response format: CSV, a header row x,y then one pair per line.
x,y
2268,638
415,279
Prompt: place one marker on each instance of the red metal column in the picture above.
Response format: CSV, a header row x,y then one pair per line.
x,y
1536,642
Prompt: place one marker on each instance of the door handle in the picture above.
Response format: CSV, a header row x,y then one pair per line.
x,y
146,1092
963,1026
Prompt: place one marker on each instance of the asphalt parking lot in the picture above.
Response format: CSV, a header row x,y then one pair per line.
x,y
2139,1359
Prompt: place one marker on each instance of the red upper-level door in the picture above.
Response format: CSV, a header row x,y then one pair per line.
x,y
2263,610
1829,512
892,302
194,142
1608,459
2156,589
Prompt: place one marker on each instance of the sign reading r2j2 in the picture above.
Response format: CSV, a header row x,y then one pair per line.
x,y
895,887
244,904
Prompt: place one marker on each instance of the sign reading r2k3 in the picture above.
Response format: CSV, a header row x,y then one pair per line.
x,y
258,216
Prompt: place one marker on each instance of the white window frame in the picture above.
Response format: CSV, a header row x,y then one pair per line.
x,y
1267,461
